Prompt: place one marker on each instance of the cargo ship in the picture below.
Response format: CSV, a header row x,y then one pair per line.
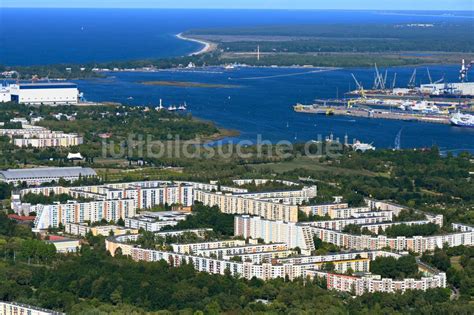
x,y
462,120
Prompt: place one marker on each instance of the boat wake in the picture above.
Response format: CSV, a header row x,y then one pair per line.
x,y
344,120
284,75
398,138
190,71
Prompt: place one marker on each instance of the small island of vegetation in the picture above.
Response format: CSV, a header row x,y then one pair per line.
x,y
190,84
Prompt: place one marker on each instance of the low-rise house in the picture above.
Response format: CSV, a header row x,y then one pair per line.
x,y
64,245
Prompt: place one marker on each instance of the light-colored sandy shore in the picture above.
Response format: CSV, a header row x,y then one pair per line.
x,y
208,46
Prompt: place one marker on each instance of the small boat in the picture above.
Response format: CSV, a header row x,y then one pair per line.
x,y
172,108
362,147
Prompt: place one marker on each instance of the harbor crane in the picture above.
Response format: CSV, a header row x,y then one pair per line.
x,y
394,81
412,82
360,87
464,70
379,81
440,80
361,90
429,75
430,78
358,84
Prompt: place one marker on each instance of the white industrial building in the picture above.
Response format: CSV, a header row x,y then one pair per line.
x,y
461,89
5,94
50,93
37,176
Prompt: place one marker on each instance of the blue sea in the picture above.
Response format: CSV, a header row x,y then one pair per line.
x,y
48,36
261,101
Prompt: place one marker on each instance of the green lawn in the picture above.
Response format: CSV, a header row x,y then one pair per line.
x,y
147,173
312,165
455,262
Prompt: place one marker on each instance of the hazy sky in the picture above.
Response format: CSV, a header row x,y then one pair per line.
x,y
251,4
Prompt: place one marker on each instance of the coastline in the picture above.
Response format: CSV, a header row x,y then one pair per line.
x,y
208,46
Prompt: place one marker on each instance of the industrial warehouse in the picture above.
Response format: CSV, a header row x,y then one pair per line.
x,y
40,175
45,93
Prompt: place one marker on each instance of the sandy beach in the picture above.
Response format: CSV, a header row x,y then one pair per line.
x,y
208,46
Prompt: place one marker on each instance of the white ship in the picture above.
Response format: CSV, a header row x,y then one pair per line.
x,y
362,147
462,120
182,107
423,107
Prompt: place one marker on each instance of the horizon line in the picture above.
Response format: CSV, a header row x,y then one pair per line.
x,y
230,9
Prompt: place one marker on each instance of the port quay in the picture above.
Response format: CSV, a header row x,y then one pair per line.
x,y
437,102
340,110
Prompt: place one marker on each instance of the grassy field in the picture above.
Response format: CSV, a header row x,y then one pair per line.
x,y
190,84
455,262
139,174
312,164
